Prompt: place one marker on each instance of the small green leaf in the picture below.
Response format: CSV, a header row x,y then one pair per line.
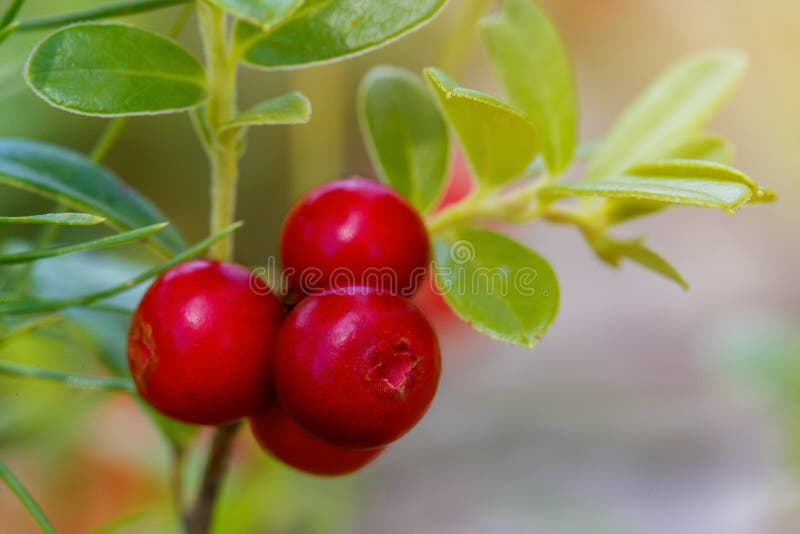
x,y
702,146
264,13
40,306
499,141
405,134
326,30
69,379
532,65
26,499
689,182
74,180
60,219
96,244
612,251
683,99
291,108
112,69
502,288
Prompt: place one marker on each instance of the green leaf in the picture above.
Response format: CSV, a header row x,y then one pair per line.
x,y
74,180
40,306
26,499
291,108
107,10
60,219
499,286
499,141
69,379
112,69
327,30
530,60
702,146
689,182
612,251
264,13
96,244
683,99
405,134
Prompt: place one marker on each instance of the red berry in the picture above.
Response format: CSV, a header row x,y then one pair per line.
x,y
279,435
358,370
354,232
201,341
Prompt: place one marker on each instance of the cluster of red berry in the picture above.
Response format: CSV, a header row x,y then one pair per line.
x,y
350,368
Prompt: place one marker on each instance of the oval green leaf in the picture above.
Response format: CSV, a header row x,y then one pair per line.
x,y
76,181
497,285
264,13
530,60
683,99
291,108
688,182
96,244
59,219
113,69
405,134
327,30
499,141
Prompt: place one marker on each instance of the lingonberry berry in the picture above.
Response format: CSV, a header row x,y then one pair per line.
x,y
201,341
280,436
354,232
356,369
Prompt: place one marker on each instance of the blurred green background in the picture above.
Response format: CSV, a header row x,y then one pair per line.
x,y
644,410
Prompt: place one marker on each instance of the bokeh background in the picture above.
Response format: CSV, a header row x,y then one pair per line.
x,y
645,409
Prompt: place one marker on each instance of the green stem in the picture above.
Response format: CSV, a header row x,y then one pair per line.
x,y
11,13
220,108
72,380
108,138
119,9
26,499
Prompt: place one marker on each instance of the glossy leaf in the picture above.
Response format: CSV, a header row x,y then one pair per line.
x,y
405,134
69,379
327,30
26,499
39,306
613,251
497,285
113,69
59,219
74,180
529,58
688,182
96,244
264,13
683,99
499,141
291,108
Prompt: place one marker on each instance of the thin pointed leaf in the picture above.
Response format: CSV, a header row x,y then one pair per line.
x,y
26,499
325,30
683,99
69,379
264,13
41,306
530,60
112,69
405,134
613,251
60,219
97,244
291,108
107,10
77,182
500,287
688,182
499,141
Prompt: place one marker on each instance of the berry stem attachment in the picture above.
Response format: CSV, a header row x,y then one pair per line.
x,y
220,108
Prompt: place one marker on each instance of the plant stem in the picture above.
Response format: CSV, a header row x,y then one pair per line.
x,y
119,9
199,519
108,138
220,108
26,499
